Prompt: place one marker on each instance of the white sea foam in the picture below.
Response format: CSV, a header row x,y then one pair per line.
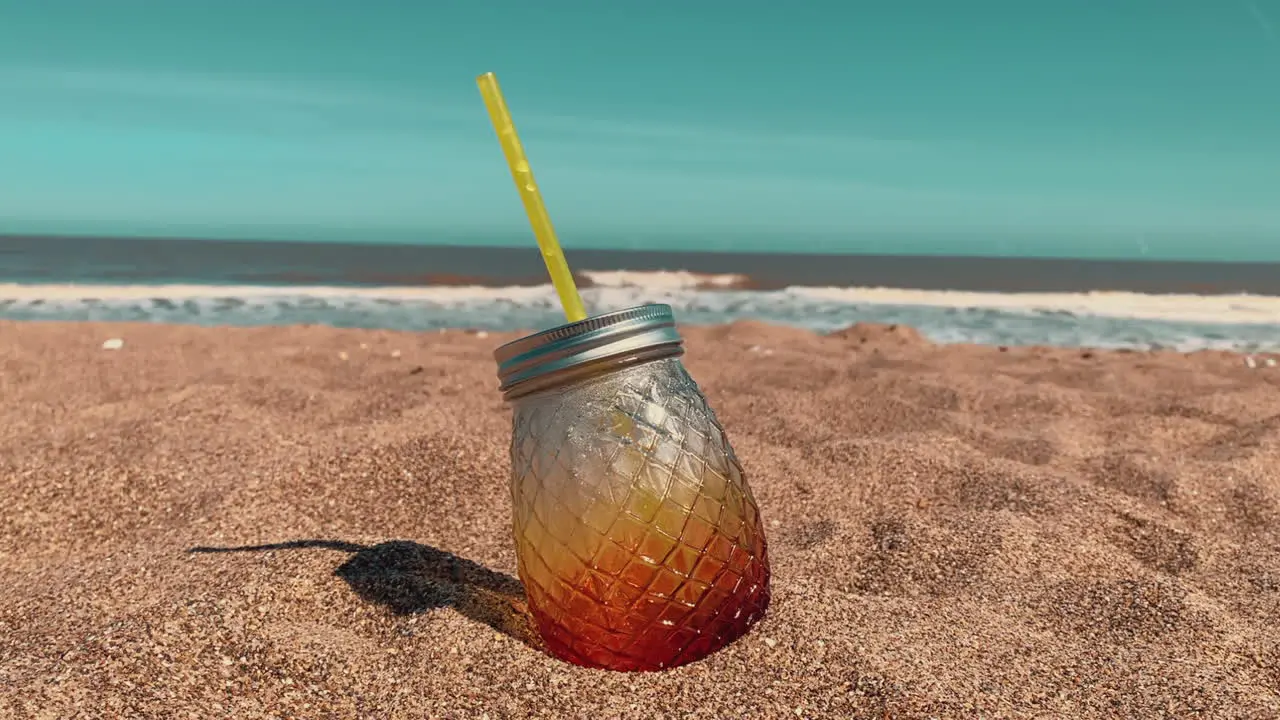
x,y
1184,308
1102,319
664,279
441,293
613,288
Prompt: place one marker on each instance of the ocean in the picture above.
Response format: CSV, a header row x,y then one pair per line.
x,y
1001,301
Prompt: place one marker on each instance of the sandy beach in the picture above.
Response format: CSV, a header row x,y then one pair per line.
x,y
314,523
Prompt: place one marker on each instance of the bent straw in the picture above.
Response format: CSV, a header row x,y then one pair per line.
x,y
552,255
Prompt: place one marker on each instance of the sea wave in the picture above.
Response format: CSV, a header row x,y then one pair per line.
x,y
1098,319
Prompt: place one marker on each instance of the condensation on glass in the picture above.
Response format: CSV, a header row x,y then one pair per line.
x,y
639,543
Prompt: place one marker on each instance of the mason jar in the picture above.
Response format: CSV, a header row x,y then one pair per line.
x,y
639,543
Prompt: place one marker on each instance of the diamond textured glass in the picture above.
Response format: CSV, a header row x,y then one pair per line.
x,y
639,543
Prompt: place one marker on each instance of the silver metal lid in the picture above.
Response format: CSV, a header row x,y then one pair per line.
x,y
618,334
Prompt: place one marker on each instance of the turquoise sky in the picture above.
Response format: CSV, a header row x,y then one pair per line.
x,y
1069,127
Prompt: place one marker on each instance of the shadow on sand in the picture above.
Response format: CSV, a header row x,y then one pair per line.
x,y
410,578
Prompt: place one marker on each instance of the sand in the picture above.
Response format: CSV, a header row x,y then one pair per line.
x,y
313,523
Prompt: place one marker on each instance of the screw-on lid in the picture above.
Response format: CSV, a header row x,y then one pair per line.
x,y
617,334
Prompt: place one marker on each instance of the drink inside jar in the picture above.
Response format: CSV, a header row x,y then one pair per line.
x,y
666,574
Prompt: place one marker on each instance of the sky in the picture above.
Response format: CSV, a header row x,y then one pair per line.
x,y
1076,127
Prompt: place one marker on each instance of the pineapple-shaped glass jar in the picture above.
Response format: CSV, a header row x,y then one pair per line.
x,y
639,543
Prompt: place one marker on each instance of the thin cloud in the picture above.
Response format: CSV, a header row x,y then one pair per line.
x,y
208,103
1263,21
178,86
266,93
686,133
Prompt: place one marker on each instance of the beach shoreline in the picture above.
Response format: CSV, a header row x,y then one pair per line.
x,y
1244,323
310,521
1216,309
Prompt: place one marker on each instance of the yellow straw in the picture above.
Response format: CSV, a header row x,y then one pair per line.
x,y
552,255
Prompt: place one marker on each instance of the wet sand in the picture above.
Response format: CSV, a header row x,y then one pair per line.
x,y
313,523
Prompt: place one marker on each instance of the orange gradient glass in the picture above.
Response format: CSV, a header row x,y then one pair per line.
x,y
640,545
